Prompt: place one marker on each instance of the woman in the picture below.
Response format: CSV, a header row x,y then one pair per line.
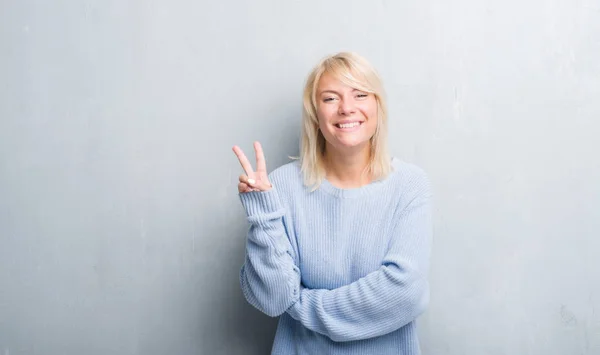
x,y
339,240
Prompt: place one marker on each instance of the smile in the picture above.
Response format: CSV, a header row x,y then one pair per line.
x,y
348,126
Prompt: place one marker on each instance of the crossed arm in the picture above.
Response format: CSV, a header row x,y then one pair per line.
x,y
381,302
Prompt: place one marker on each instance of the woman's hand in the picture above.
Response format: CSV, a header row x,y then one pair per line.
x,y
253,180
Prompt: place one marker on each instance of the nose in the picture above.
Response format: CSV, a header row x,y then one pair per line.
x,y
346,107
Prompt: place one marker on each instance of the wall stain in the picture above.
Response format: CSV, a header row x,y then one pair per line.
x,y
567,317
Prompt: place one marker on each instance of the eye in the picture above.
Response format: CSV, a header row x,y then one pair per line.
x,y
328,99
362,95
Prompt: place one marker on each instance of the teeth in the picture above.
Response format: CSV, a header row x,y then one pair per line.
x,y
348,125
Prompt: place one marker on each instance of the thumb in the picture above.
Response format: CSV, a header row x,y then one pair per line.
x,y
261,185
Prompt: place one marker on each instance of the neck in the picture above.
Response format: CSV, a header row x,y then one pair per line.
x,y
347,169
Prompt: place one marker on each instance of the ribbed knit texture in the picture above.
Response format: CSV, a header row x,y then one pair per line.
x,y
346,269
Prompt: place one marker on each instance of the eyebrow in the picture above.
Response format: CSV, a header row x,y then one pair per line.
x,y
335,92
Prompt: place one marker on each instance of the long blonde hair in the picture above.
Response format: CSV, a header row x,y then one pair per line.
x,y
355,71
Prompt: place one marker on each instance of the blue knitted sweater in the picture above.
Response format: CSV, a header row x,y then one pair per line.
x,y
346,269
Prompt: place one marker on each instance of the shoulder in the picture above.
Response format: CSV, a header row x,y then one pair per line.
x,y
289,170
408,172
409,179
286,175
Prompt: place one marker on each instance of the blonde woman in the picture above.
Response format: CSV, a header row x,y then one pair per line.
x,y
339,240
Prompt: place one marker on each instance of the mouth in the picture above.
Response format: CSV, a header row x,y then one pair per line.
x,y
348,125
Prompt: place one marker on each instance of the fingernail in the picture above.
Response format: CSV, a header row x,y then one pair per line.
x,y
251,181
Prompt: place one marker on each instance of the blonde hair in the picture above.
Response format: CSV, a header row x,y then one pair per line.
x,y
355,71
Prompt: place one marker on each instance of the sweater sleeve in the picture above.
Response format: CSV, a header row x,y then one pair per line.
x,y
269,278
386,299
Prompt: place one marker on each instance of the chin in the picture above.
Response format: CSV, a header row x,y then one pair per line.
x,y
352,144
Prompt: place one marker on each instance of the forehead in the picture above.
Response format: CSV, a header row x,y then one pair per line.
x,y
330,81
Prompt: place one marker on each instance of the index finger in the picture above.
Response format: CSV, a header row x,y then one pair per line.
x,y
261,164
243,161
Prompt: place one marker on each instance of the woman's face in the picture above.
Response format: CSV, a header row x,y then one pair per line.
x,y
347,116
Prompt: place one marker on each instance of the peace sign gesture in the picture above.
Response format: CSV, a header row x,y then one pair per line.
x,y
253,180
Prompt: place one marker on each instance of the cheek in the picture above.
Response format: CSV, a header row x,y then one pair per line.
x,y
324,112
322,121
370,110
325,115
